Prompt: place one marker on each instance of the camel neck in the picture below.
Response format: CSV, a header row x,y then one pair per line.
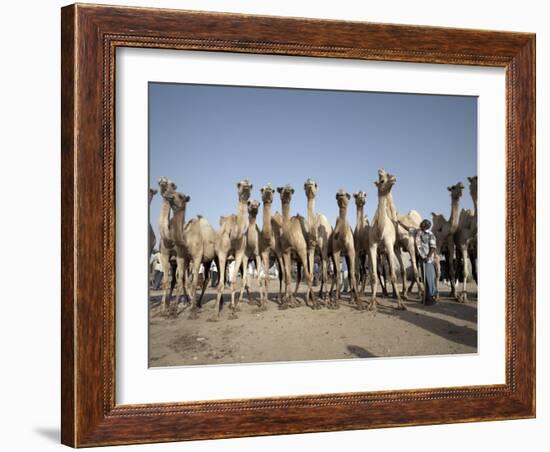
x,y
311,210
474,200
267,219
385,207
342,213
360,216
252,220
455,205
286,211
178,220
164,219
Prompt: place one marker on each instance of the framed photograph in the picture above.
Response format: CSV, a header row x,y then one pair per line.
x,y
282,225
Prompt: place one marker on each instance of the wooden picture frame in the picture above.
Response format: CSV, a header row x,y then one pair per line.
x,y
90,35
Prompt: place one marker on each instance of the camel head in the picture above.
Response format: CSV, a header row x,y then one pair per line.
x,y
166,185
456,190
177,200
360,198
267,194
310,187
473,186
286,193
244,188
253,207
385,182
342,198
152,193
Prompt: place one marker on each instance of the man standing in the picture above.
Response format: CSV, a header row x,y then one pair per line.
x,y
424,240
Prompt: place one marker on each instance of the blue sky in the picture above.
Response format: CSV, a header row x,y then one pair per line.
x,y
207,138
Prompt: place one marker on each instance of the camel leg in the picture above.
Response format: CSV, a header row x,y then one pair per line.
x,y
399,256
239,256
204,283
382,273
281,272
193,291
264,297
451,265
324,275
473,261
303,258
464,294
287,262
351,261
373,261
222,259
258,263
363,270
299,268
335,297
165,264
244,279
310,265
437,265
391,260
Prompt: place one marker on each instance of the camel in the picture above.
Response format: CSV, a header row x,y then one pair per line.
x,y
194,245
319,234
464,237
251,249
445,232
167,243
270,243
361,238
382,233
199,248
294,238
342,244
152,238
231,241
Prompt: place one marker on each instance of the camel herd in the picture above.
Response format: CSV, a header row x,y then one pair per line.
x,y
287,239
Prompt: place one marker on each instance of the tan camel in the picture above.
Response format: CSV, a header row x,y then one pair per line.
x,y
294,238
152,238
464,237
199,248
167,245
194,244
445,233
382,233
319,234
270,243
361,238
231,242
251,249
341,244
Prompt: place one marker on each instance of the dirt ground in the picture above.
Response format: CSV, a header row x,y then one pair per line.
x,y
300,333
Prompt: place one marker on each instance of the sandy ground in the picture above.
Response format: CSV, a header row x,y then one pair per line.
x,y
304,334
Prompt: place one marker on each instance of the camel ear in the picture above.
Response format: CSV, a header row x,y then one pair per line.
x,y
248,202
449,188
187,198
377,183
470,179
433,214
239,185
262,190
279,189
292,190
355,195
348,196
